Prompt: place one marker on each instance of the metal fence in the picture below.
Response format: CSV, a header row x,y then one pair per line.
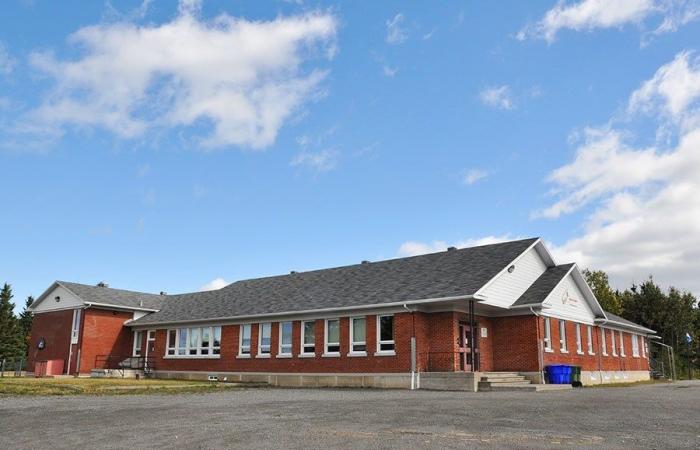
x,y
13,367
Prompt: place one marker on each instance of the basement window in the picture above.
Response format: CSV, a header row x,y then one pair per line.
x,y
332,337
358,336
308,338
193,342
385,335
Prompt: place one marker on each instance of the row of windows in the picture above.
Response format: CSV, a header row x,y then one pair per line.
x,y
563,347
331,332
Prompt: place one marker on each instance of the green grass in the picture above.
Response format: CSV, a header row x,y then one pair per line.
x,y
102,386
628,384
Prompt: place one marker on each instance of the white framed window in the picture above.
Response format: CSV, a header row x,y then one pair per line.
x,y
151,336
644,346
622,344
285,340
138,342
547,335
562,337
308,338
385,335
612,342
244,341
197,342
603,343
358,336
264,340
332,338
635,346
579,344
75,327
589,339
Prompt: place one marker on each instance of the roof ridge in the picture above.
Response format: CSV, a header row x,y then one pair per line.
x,y
106,287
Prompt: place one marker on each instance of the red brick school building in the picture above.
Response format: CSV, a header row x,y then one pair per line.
x,y
450,317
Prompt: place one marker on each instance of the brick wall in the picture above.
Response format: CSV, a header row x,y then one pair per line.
x,y
103,333
515,344
55,328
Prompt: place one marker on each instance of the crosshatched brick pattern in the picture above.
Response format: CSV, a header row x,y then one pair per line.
x,y
55,329
103,333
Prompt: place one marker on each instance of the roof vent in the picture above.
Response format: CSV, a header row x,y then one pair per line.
x,y
451,249
163,293
292,272
511,269
102,284
365,262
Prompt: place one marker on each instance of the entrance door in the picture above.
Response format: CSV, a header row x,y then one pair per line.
x,y
467,361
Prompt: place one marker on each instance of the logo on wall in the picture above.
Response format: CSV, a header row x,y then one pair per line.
x,y
41,344
567,299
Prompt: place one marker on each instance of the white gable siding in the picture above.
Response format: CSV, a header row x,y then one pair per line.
x,y
68,300
508,287
566,301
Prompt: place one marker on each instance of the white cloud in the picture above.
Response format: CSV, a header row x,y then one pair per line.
x,y
216,283
413,248
645,201
7,62
395,34
389,71
587,15
497,97
427,36
244,78
320,161
471,176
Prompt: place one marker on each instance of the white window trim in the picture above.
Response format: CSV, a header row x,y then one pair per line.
x,y
242,355
260,353
589,336
603,341
635,345
302,352
579,340
75,326
562,337
352,337
199,355
622,345
380,352
280,353
614,345
644,346
326,353
547,336
135,347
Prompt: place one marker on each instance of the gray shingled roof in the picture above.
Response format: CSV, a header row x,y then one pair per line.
x,y
538,291
622,320
120,297
437,275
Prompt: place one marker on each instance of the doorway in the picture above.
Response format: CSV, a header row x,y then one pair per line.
x,y
468,361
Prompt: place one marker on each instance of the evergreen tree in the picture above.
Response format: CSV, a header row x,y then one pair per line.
x,y
11,345
600,285
25,323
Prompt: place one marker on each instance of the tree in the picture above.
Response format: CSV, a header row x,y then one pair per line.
x,y
600,285
10,342
25,323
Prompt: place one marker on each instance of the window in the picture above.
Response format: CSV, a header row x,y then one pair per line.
x,y
562,337
635,346
622,344
332,337
644,346
285,339
358,339
385,334
308,338
589,337
579,344
138,341
151,335
264,339
75,328
547,335
612,342
603,344
193,342
244,341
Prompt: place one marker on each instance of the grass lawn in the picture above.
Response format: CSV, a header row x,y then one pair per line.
x,y
103,386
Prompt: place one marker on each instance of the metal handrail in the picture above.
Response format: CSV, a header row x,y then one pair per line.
x,y
124,362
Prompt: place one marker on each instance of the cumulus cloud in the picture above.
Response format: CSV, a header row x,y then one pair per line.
x,y
471,176
497,97
389,71
395,33
7,62
243,79
319,161
413,248
587,15
216,283
644,201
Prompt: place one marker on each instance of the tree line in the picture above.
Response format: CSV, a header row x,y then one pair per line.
x,y
14,330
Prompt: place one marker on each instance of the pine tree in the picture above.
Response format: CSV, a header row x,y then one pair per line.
x,y
25,324
11,345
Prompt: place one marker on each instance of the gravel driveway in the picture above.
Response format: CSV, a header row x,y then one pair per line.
x,y
649,416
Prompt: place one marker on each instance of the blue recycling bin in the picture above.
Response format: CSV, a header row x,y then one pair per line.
x,y
558,374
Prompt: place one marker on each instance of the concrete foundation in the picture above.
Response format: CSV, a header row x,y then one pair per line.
x,y
593,377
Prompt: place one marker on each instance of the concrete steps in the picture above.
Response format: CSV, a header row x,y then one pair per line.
x,y
512,381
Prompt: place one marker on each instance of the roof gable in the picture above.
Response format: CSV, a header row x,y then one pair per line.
x,y
83,294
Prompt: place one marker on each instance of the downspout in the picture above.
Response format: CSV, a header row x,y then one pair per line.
x,y
540,350
600,352
415,380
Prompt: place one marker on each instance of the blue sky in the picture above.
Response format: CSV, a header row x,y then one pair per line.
x,y
162,146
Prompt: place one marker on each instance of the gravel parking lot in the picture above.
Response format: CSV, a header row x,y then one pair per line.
x,y
649,416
